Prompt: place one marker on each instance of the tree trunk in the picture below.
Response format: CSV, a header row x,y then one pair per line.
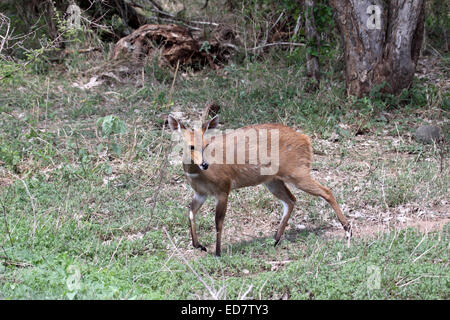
x,y
312,37
382,42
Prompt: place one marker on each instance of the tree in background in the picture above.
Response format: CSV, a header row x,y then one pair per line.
x,y
382,42
312,52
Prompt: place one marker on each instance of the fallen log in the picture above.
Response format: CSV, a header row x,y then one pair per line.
x,y
173,43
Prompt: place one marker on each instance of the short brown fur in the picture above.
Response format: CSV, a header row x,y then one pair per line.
x,y
218,180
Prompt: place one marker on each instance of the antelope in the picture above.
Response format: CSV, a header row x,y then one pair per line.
x,y
290,162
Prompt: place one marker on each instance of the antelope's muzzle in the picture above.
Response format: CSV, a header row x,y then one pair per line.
x,y
204,165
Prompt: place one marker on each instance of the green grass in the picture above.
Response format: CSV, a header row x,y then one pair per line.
x,y
411,265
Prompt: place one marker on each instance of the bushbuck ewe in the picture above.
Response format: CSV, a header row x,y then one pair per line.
x,y
269,154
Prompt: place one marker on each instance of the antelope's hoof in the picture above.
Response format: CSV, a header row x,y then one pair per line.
x,y
348,234
348,231
202,248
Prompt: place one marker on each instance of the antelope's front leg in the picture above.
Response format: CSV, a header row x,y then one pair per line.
x,y
221,209
195,205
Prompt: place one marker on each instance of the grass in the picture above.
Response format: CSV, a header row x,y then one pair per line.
x,y
410,265
92,214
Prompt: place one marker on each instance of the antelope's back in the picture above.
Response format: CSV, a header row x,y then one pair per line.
x,y
243,152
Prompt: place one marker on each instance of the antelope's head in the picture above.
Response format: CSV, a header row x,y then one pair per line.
x,y
194,140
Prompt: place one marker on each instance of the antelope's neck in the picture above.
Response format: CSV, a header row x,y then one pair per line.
x,y
191,168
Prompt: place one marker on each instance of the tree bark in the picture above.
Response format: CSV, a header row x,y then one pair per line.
x,y
312,37
382,42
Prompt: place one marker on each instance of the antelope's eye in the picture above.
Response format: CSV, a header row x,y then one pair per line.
x,y
192,148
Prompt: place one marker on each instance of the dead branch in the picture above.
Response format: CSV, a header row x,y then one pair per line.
x,y
156,4
297,25
295,44
86,50
19,264
4,20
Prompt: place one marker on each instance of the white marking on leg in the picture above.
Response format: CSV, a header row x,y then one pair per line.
x,y
285,213
191,215
285,209
348,234
199,197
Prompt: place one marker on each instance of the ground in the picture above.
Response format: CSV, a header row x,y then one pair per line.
x,y
94,203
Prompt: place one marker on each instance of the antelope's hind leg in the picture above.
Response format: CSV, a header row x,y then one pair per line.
x,y
279,190
311,186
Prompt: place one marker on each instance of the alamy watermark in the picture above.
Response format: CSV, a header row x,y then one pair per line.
x,y
374,20
73,280
373,277
254,147
73,16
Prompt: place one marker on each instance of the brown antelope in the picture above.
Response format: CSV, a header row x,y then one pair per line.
x,y
245,163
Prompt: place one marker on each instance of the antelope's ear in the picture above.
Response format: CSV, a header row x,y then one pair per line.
x,y
175,124
211,124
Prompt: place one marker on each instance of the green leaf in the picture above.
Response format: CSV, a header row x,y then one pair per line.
x,y
116,149
108,169
111,125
